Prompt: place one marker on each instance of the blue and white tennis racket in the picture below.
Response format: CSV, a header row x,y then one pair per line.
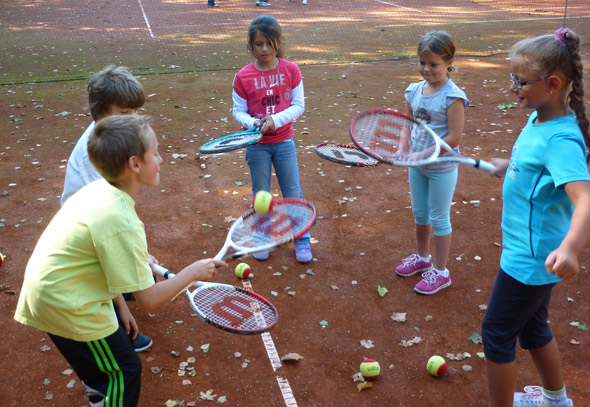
x,y
232,142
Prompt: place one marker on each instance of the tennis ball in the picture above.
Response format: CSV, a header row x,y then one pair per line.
x,y
242,270
436,366
370,368
262,202
2,257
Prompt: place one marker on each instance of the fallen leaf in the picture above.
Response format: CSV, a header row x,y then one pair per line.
x,y
292,357
358,377
399,316
367,343
411,342
382,291
364,385
475,338
208,395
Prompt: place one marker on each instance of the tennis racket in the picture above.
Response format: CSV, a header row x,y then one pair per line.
x,y
288,220
232,142
379,134
345,154
233,309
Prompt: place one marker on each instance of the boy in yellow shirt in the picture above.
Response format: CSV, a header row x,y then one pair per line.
x,y
92,251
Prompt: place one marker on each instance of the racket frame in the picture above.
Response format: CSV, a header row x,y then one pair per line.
x,y
433,158
346,147
254,131
264,325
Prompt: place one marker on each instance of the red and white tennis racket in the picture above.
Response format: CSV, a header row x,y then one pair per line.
x,y
233,309
379,133
288,220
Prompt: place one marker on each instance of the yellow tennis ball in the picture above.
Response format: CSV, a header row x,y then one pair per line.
x,y
2,257
262,202
370,368
243,270
436,366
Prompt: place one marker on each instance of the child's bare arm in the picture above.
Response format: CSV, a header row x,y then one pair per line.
x,y
164,291
563,261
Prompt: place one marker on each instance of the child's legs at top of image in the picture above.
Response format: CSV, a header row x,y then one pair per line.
x,y
108,367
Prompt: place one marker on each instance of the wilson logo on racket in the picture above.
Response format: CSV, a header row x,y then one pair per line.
x,y
386,136
234,309
281,225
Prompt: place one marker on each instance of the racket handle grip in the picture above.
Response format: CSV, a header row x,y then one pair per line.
x,y
484,165
164,272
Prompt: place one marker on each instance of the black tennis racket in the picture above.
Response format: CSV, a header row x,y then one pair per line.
x,y
233,309
345,154
232,142
380,133
288,220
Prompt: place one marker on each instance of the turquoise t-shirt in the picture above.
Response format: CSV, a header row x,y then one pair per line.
x,y
537,210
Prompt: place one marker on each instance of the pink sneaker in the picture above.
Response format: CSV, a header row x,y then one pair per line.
x,y
431,283
412,265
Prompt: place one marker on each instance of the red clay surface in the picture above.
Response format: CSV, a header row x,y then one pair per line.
x,y
365,228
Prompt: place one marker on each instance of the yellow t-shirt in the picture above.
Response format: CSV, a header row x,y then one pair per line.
x,y
92,250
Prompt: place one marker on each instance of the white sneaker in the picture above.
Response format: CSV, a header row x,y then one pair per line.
x,y
304,2
533,397
265,4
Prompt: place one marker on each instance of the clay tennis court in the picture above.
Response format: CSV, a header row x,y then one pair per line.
x,y
330,310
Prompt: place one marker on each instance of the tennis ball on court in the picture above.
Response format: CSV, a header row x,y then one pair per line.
x,y
370,369
243,270
262,202
2,257
436,366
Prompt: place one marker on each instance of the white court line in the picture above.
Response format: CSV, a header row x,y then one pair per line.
x,y
489,21
398,6
147,23
275,361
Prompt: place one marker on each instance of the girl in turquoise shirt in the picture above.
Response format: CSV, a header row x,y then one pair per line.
x,y
545,217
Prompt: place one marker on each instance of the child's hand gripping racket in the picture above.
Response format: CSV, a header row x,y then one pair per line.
x,y
233,309
232,142
380,132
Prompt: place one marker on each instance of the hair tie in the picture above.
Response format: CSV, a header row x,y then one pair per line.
x,y
560,36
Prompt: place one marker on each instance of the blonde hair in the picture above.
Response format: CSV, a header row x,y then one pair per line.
x,y
439,43
558,54
114,85
114,140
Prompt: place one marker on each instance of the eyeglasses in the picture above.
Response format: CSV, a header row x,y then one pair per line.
x,y
519,84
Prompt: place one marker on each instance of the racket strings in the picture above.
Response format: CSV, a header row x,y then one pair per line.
x,y
229,142
380,132
344,153
233,308
285,222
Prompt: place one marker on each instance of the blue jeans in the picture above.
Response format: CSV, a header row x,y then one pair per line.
x,y
283,156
